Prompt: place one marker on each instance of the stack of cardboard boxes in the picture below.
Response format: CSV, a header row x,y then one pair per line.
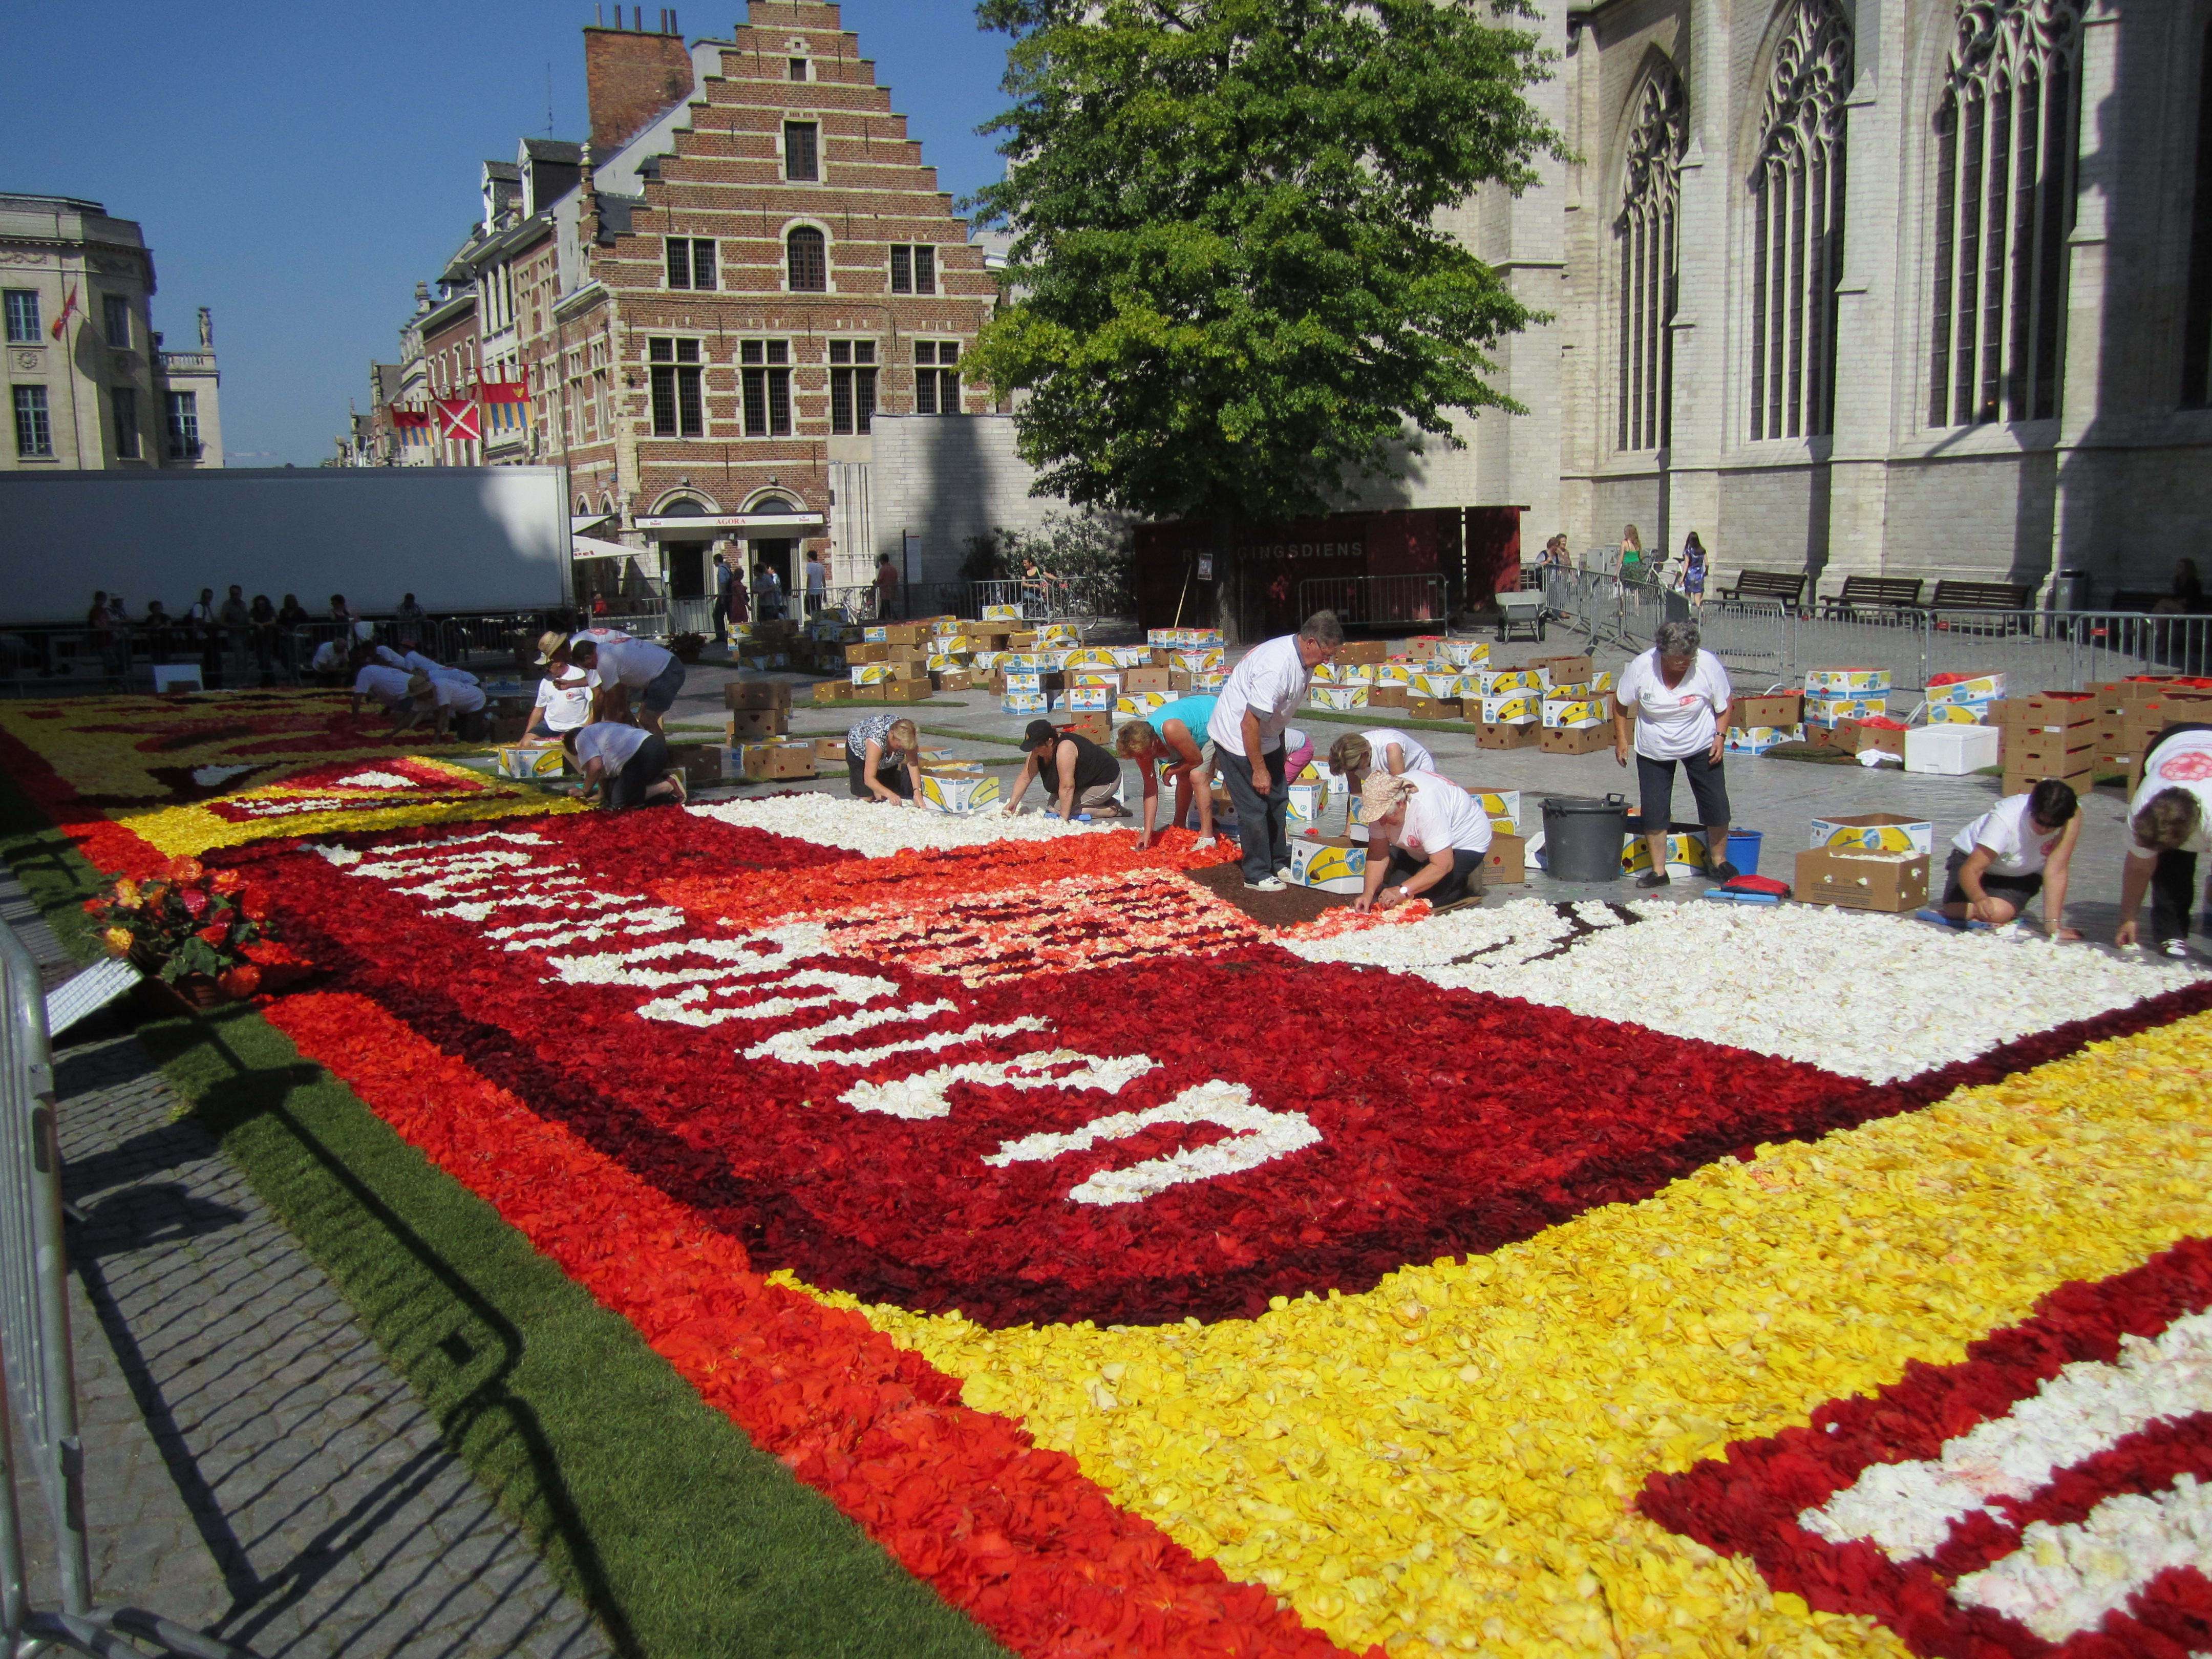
x,y
2132,713
1874,861
890,664
758,735
1756,725
2052,734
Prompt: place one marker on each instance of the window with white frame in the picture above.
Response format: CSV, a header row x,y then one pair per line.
x,y
115,321
852,386
184,426
936,377
35,429
678,402
690,262
1798,226
914,268
1651,194
2004,205
22,316
764,383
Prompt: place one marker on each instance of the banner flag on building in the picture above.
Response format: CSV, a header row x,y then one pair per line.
x,y
412,425
457,418
506,406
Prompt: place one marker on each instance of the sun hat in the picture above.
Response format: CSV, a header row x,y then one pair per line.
x,y
551,645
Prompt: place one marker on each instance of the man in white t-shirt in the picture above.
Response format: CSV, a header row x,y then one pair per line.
x,y
623,765
1253,707
455,705
2022,846
2171,816
379,684
1434,834
414,662
1676,696
619,668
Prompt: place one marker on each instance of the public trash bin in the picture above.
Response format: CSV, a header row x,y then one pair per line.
x,y
1583,837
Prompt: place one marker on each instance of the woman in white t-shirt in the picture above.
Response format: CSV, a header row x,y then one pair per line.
x,y
455,705
1436,834
564,703
2171,816
2022,846
1677,697
1352,758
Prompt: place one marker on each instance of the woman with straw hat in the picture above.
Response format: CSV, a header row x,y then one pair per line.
x,y
1426,838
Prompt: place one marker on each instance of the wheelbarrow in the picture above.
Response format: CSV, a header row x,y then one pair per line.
x,y
1521,610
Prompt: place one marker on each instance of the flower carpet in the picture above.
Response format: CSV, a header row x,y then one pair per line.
x,y
1606,1279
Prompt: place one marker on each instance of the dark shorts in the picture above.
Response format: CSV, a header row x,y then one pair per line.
x,y
1655,780
891,773
1464,882
2015,890
659,693
640,773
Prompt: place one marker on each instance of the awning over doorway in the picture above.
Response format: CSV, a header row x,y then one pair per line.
x,y
586,548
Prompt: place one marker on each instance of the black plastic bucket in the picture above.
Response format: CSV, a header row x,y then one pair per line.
x,y
1583,837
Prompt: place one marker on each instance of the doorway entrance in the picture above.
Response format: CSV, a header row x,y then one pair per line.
x,y
777,556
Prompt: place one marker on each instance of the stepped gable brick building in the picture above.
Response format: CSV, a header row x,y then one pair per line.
x,y
761,266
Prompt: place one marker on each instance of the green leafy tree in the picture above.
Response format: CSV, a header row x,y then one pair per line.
x,y
1232,299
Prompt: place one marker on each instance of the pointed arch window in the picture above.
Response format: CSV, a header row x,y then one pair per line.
x,y
1651,188
1797,227
2005,141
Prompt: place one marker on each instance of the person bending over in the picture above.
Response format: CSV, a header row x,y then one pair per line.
x,y
1077,771
624,765
620,667
453,706
880,754
1436,836
2171,816
1251,717
1172,744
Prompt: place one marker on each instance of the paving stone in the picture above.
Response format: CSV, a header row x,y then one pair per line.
x,y
254,1468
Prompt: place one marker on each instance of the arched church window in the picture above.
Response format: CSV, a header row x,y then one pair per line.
x,y
1651,194
2004,203
2196,334
1797,227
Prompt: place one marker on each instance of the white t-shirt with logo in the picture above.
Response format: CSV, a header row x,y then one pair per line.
x,y
1418,759
1442,816
567,705
1270,681
2183,761
611,743
633,663
1674,722
2009,833
462,696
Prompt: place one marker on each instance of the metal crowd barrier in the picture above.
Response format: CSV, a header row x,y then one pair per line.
x,y
1376,601
2035,650
40,1376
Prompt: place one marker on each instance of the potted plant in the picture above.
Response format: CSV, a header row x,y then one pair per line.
x,y
190,931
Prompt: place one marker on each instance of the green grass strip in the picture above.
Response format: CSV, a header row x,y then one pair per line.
x,y
651,1509
1381,717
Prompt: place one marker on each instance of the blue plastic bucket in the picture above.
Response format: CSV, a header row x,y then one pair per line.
x,y
1743,850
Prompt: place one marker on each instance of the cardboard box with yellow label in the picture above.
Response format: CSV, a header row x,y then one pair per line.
x,y
532,760
1496,681
1524,707
1573,716
1846,681
1445,686
958,788
1874,832
1685,854
1337,697
1332,864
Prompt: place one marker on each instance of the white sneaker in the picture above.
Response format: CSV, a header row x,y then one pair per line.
x,y
1203,841
1283,872
1270,885
2177,949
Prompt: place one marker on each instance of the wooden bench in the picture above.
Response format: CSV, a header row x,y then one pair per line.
x,y
1766,588
2136,598
1875,592
1982,596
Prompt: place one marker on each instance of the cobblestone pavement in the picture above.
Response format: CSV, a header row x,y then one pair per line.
x,y
252,1468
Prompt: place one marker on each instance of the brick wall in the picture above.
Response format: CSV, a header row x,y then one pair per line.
x,y
629,78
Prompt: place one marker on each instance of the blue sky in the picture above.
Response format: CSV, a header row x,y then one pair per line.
x,y
299,167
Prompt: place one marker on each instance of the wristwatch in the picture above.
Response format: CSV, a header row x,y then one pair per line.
x,y
1405,894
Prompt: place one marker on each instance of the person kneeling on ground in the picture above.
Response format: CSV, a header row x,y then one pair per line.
x,y
624,765
2022,846
1352,758
1170,745
1436,836
457,705
880,752
2171,818
1083,776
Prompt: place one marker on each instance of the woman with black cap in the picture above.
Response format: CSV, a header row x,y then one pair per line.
x,y
1083,776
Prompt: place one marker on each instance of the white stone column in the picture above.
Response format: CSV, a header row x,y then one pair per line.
x,y
2097,182
1703,331
1875,358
